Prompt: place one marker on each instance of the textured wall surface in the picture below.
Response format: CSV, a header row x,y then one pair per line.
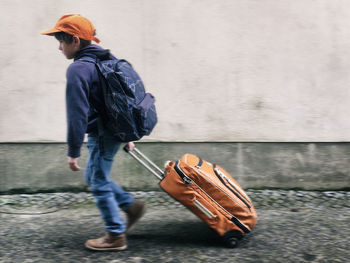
x,y
228,70
308,166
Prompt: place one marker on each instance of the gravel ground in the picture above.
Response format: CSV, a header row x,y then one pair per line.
x,y
293,226
49,202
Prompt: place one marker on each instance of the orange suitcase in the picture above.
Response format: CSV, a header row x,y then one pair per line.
x,y
208,191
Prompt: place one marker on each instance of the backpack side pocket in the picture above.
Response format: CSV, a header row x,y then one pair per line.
x,y
145,115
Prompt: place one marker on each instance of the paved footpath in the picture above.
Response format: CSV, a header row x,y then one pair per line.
x,y
293,227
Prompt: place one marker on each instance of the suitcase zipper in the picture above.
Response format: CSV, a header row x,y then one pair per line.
x,y
199,163
235,186
208,177
203,209
184,177
221,177
188,180
210,215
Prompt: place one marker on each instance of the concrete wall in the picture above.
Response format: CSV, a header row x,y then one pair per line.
x,y
309,166
228,70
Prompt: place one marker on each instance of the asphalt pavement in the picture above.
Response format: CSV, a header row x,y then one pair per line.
x,y
293,226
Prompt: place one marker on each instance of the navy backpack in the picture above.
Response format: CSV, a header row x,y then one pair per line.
x,y
130,111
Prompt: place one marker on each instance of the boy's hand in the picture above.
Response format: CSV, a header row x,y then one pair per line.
x,y
73,164
131,146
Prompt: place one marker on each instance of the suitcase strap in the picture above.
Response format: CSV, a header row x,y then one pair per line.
x,y
146,162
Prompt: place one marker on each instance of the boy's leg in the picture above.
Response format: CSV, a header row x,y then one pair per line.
x,y
134,209
102,187
101,184
123,198
109,196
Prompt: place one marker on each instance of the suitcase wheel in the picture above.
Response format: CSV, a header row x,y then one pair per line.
x,y
231,242
231,238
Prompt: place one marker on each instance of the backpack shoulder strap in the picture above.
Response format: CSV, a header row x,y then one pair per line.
x,y
100,126
87,59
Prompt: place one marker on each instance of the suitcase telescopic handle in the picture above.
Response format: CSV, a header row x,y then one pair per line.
x,y
145,161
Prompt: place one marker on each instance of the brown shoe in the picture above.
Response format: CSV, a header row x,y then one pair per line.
x,y
108,242
134,213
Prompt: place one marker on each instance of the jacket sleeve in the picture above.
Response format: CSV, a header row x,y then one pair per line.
x,y
77,106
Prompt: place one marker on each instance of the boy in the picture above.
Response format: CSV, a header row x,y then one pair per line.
x,y
84,103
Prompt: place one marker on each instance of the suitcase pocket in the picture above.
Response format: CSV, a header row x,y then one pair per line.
x,y
231,186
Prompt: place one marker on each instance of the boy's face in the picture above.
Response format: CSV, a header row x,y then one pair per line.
x,y
69,50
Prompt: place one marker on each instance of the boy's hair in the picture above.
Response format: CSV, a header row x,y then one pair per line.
x,y
67,38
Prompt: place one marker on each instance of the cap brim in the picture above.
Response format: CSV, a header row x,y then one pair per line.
x,y
50,32
96,39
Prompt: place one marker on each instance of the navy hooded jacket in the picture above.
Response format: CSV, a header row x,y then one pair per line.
x,y
84,97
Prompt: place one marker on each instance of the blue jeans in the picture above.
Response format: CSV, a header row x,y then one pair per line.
x,y
108,195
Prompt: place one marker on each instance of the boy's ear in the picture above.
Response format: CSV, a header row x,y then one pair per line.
x,y
76,40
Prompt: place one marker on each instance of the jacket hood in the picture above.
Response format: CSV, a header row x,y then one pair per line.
x,y
94,51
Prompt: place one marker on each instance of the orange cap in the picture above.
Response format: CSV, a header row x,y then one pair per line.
x,y
75,25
